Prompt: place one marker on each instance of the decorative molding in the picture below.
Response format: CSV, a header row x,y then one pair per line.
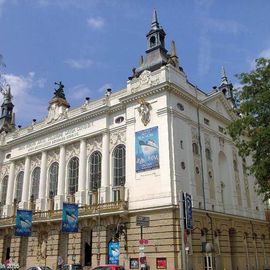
x,y
19,166
117,138
94,144
4,171
35,161
53,155
72,150
145,80
144,111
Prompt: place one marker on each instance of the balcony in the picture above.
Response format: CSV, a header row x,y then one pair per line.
x,y
85,211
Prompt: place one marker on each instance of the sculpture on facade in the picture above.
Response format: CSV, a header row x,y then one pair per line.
x,y
144,111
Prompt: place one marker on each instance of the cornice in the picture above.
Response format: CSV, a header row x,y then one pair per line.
x,y
83,116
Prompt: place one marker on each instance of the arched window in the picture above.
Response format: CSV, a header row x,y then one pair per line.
x,y
119,165
73,175
53,178
152,41
95,170
19,186
4,190
35,183
208,154
195,148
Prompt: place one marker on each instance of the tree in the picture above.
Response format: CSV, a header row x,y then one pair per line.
x,y
251,131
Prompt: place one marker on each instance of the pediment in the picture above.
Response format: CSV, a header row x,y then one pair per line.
x,y
220,105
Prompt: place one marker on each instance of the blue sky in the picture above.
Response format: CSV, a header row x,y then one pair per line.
x,y
91,45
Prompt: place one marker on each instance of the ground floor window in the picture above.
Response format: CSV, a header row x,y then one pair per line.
x,y
208,262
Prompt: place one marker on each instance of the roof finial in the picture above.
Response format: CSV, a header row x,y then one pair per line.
x,y
224,79
155,24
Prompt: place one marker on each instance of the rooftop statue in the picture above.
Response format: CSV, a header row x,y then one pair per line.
x,y
59,93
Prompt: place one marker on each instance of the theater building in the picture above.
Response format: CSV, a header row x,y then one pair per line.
x,y
125,156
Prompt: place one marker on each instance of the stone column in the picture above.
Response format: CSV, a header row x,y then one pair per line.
x,y
41,201
26,182
80,195
105,167
7,210
59,198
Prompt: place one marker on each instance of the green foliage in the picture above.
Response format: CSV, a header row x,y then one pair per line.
x,y
251,131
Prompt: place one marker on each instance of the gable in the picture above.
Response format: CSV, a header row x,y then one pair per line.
x,y
220,105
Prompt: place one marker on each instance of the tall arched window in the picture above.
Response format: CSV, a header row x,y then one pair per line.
x,y
195,148
35,183
19,186
119,165
95,170
53,178
73,175
4,190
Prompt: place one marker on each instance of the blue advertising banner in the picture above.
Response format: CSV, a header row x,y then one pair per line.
x,y
114,252
70,218
147,149
23,223
188,203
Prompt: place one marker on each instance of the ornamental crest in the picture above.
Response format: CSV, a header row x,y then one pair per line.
x,y
144,111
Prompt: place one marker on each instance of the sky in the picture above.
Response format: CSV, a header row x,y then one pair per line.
x,y
92,45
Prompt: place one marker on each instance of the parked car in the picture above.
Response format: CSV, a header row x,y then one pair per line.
x,y
39,268
109,267
75,266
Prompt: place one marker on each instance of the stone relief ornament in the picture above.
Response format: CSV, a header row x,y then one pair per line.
x,y
207,141
194,133
4,171
144,111
53,156
145,80
19,166
35,161
72,150
117,138
94,144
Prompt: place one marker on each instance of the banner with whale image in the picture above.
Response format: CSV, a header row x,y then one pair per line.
x,y
147,149
114,252
70,218
23,223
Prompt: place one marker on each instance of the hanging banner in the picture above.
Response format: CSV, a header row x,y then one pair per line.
x,y
23,223
70,218
188,206
114,252
147,149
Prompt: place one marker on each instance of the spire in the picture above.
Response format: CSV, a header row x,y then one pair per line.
x,y
174,57
7,118
173,48
155,24
224,79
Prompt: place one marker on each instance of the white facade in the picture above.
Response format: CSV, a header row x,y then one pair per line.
x,y
183,114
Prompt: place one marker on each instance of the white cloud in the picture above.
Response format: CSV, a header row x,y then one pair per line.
x,y
79,92
96,23
26,105
204,59
79,63
223,26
